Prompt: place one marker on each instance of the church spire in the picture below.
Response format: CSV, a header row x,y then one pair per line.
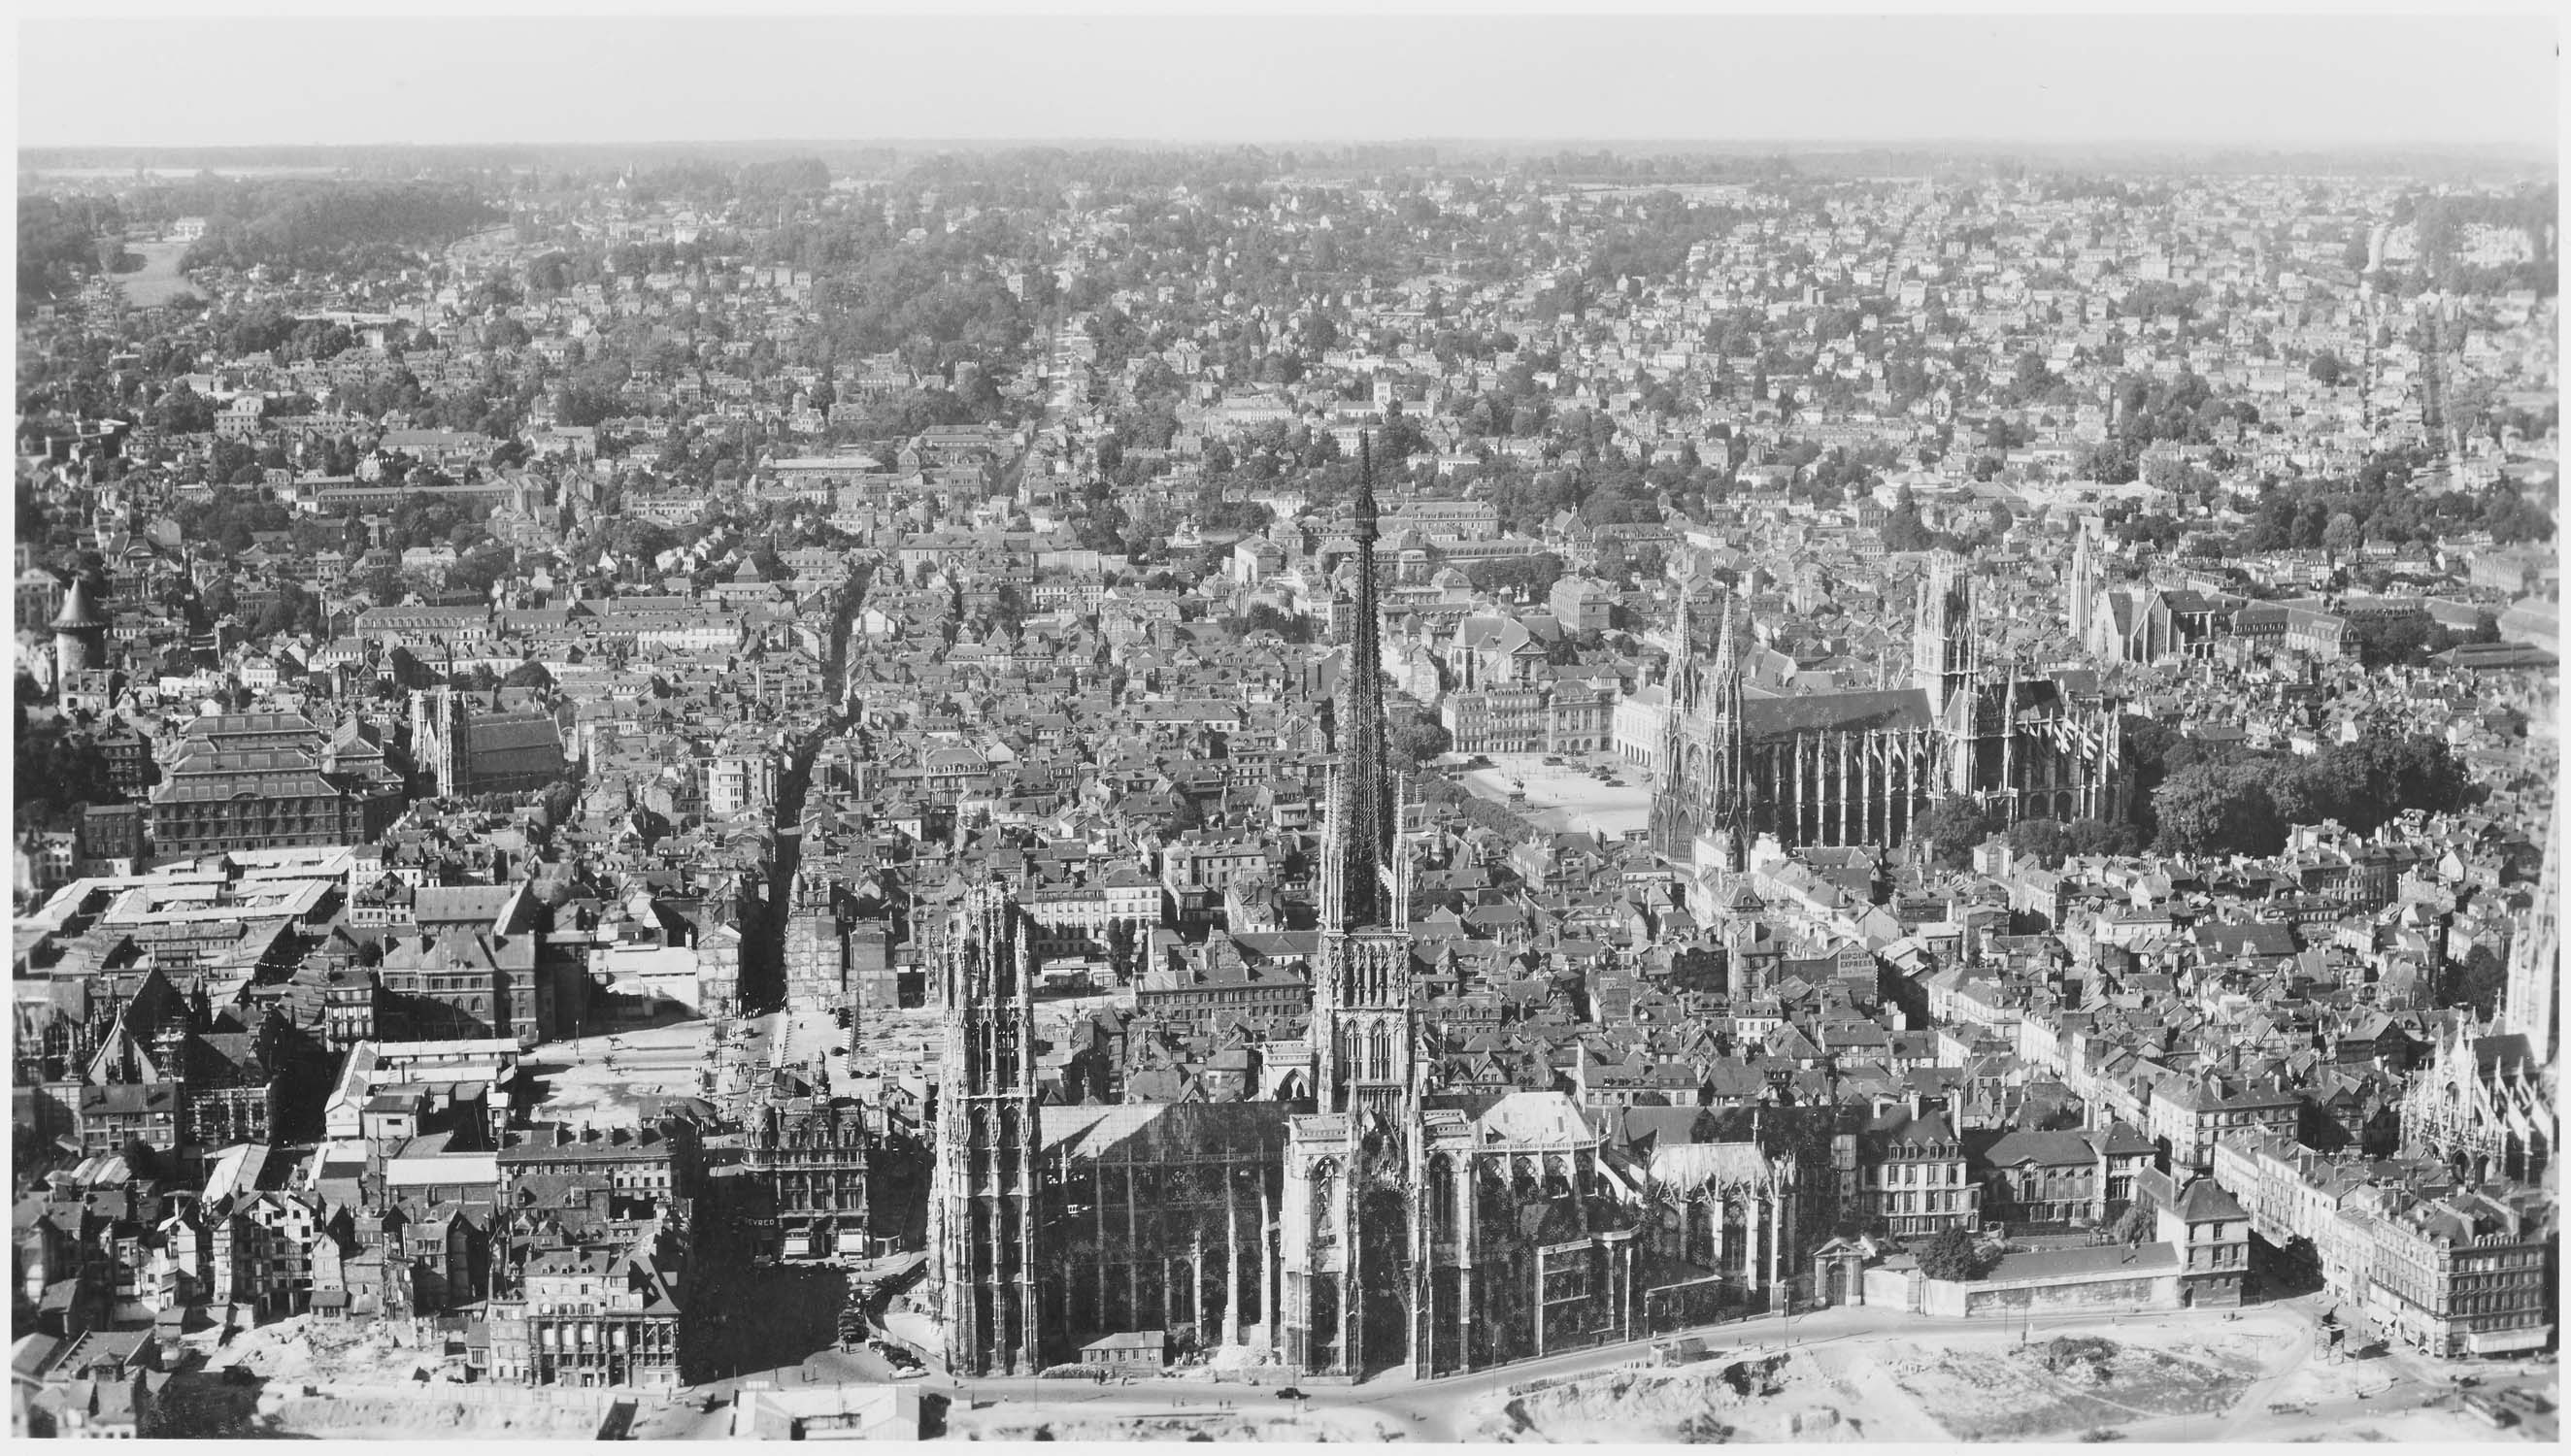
x,y
1357,839
1682,635
1366,528
2008,744
1727,660
2084,583
1727,817
1672,825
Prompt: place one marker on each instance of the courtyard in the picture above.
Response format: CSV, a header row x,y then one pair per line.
x,y
1567,794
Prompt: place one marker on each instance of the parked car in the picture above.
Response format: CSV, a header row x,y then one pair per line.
x,y
2490,1411
901,1359
2524,1399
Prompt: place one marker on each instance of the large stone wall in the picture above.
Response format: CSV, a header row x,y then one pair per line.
x,y
2000,1299
2151,1292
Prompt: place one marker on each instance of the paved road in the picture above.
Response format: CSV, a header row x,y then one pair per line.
x,y
1437,1409
1446,1409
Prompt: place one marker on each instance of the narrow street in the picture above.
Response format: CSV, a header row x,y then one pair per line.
x,y
762,960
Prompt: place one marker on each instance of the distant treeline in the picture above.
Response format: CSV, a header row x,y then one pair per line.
x,y
1566,158
331,225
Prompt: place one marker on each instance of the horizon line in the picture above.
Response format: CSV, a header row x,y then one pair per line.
x,y
2547,145
1414,139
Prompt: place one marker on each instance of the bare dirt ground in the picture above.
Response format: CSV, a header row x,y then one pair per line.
x,y
1257,1417
2175,1380
1981,1394
1776,1397
311,1378
453,1412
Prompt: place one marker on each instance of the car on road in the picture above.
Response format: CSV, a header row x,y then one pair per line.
x,y
1289,1393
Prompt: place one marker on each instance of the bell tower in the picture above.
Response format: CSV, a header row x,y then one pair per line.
x,y
1362,1028
984,1179
1723,825
1942,655
1672,828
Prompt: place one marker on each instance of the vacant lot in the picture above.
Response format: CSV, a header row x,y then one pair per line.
x,y
1982,1394
1777,1397
485,1413
575,1083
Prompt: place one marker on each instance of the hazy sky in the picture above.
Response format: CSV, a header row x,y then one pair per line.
x,y
170,79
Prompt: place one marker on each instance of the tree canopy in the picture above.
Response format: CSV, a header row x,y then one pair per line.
x,y
2245,804
1954,1253
306,223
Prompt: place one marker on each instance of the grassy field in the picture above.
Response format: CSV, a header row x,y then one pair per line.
x,y
160,281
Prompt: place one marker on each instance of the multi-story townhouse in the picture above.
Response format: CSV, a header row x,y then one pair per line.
x,y
1912,1173
814,1159
2209,1228
2189,1115
2470,1274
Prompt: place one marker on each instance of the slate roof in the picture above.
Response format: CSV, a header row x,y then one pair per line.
x,y
1899,708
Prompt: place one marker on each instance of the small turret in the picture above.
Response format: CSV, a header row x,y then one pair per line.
x,y
80,632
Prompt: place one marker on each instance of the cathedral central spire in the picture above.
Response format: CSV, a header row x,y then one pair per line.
x,y
1357,838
